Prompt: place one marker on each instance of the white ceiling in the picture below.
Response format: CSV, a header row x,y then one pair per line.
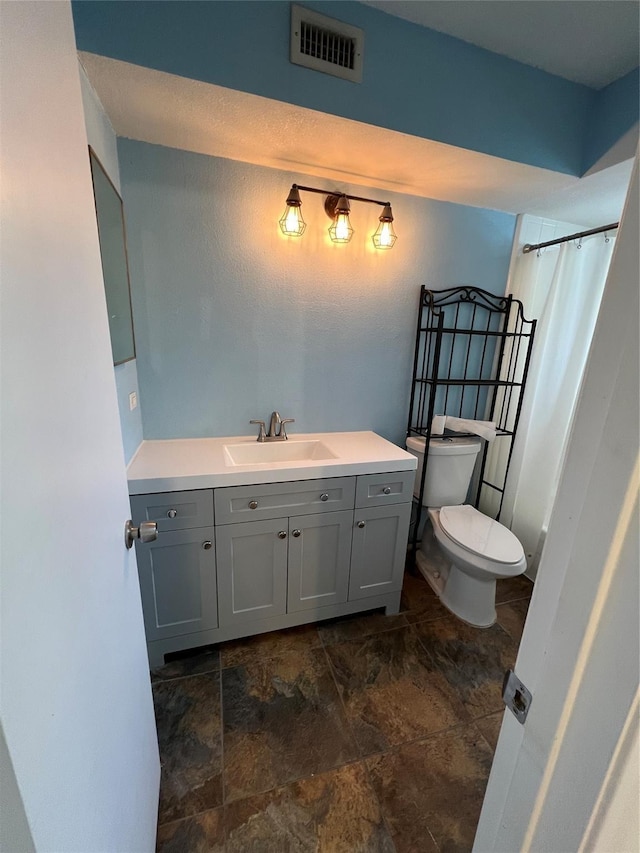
x,y
164,109
593,42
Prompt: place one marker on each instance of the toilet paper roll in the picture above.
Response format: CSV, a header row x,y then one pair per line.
x,y
438,424
485,429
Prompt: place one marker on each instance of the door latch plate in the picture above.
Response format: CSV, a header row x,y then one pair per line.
x,y
516,696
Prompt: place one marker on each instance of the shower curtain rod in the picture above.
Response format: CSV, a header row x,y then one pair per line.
x,y
528,247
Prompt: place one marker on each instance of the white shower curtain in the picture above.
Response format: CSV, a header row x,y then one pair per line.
x,y
561,287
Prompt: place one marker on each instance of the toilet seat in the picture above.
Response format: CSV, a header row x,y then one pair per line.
x,y
479,534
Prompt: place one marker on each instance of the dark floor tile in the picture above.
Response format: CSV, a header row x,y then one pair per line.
x,y
203,833
272,644
490,728
333,812
390,691
512,617
419,602
282,721
352,627
512,589
190,662
190,741
472,660
433,790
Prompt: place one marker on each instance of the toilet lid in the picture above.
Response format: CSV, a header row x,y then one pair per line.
x,y
479,533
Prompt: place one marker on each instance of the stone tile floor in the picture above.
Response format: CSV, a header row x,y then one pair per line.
x,y
369,733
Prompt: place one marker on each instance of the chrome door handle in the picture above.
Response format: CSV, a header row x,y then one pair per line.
x,y
282,534
296,533
147,532
324,496
172,513
361,524
386,490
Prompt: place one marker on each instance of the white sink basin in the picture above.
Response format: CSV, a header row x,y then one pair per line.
x,y
269,453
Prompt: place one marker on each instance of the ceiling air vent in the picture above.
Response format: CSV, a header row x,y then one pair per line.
x,y
325,44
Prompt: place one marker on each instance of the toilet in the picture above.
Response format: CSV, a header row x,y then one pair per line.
x,y
464,552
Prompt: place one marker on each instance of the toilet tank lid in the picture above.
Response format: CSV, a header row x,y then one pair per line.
x,y
448,446
481,534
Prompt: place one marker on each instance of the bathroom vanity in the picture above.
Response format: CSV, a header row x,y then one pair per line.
x,y
256,537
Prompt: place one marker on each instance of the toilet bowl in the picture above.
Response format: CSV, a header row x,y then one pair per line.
x,y
478,550
473,550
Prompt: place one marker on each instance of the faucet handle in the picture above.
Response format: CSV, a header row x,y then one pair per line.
x,y
283,430
261,433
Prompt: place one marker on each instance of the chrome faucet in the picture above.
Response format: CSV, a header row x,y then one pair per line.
x,y
277,428
274,425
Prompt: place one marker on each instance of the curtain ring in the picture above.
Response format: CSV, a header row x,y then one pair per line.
x,y
538,254
606,237
579,246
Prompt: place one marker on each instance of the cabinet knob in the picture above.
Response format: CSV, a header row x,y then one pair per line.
x,y
207,545
386,490
296,533
172,513
253,504
282,534
361,524
324,496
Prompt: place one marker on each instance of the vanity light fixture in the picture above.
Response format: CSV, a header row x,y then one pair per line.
x,y
291,222
340,230
385,236
337,208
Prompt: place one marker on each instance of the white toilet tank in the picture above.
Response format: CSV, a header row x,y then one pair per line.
x,y
451,463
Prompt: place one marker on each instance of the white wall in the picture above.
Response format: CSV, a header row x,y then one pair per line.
x,y
76,703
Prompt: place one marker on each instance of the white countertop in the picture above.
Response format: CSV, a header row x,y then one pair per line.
x,y
202,463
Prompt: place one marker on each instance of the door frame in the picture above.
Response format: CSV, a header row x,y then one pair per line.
x,y
552,778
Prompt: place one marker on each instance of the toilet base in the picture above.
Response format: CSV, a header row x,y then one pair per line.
x,y
470,599
435,577
474,606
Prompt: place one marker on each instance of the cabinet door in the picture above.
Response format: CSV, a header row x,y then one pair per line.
x,y
319,555
178,583
379,550
252,570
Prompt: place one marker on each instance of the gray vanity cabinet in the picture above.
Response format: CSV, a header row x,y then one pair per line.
x,y
281,554
252,570
380,532
178,570
319,557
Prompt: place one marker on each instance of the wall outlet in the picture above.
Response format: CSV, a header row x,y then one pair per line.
x,y
133,401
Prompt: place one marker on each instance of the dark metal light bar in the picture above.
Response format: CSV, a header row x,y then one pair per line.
x,y
336,205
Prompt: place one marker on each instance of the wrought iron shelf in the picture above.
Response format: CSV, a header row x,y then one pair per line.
x,y
480,332
471,360
481,383
500,433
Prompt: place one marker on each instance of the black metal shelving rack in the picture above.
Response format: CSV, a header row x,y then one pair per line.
x,y
472,356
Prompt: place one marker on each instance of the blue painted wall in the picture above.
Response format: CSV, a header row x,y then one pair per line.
x,y
234,320
616,110
416,80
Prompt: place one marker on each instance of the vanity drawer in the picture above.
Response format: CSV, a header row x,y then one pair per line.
x,y
382,489
174,510
277,500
